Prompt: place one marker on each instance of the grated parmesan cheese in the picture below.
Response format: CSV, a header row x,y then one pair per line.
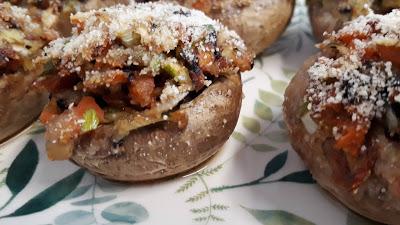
x,y
364,86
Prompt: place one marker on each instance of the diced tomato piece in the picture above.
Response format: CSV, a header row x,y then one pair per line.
x,y
354,132
349,38
49,112
118,78
352,140
371,54
203,5
55,84
180,118
244,61
390,53
87,103
141,90
109,78
205,59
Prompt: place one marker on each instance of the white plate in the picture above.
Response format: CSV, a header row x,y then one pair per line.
x,y
256,179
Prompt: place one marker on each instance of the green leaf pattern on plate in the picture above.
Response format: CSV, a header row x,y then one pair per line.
x,y
3,173
263,111
239,136
94,201
127,212
21,171
280,136
277,217
49,196
275,164
75,217
22,168
263,148
111,187
299,177
355,219
78,192
270,98
251,124
261,130
279,86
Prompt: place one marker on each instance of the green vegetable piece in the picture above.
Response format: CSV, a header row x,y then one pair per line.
x,y
91,120
48,68
178,72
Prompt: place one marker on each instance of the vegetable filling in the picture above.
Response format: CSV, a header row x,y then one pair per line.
x,y
132,66
357,84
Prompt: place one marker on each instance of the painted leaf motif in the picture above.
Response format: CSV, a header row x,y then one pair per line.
x,y
2,183
304,177
200,210
78,192
270,98
198,196
111,187
263,148
277,217
125,212
37,128
201,218
258,63
355,219
117,223
51,195
211,171
288,73
216,218
279,86
263,111
275,164
22,168
2,177
94,201
248,80
251,124
188,184
76,217
282,125
278,136
239,136
3,171
219,207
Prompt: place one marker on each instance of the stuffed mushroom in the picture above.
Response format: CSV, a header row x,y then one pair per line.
x,y
342,111
54,14
329,15
259,22
21,40
143,91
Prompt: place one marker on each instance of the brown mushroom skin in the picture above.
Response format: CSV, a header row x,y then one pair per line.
x,y
315,150
20,104
326,16
329,15
258,22
162,150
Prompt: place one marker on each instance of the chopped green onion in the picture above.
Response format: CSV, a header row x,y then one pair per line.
x,y
48,68
178,72
91,120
